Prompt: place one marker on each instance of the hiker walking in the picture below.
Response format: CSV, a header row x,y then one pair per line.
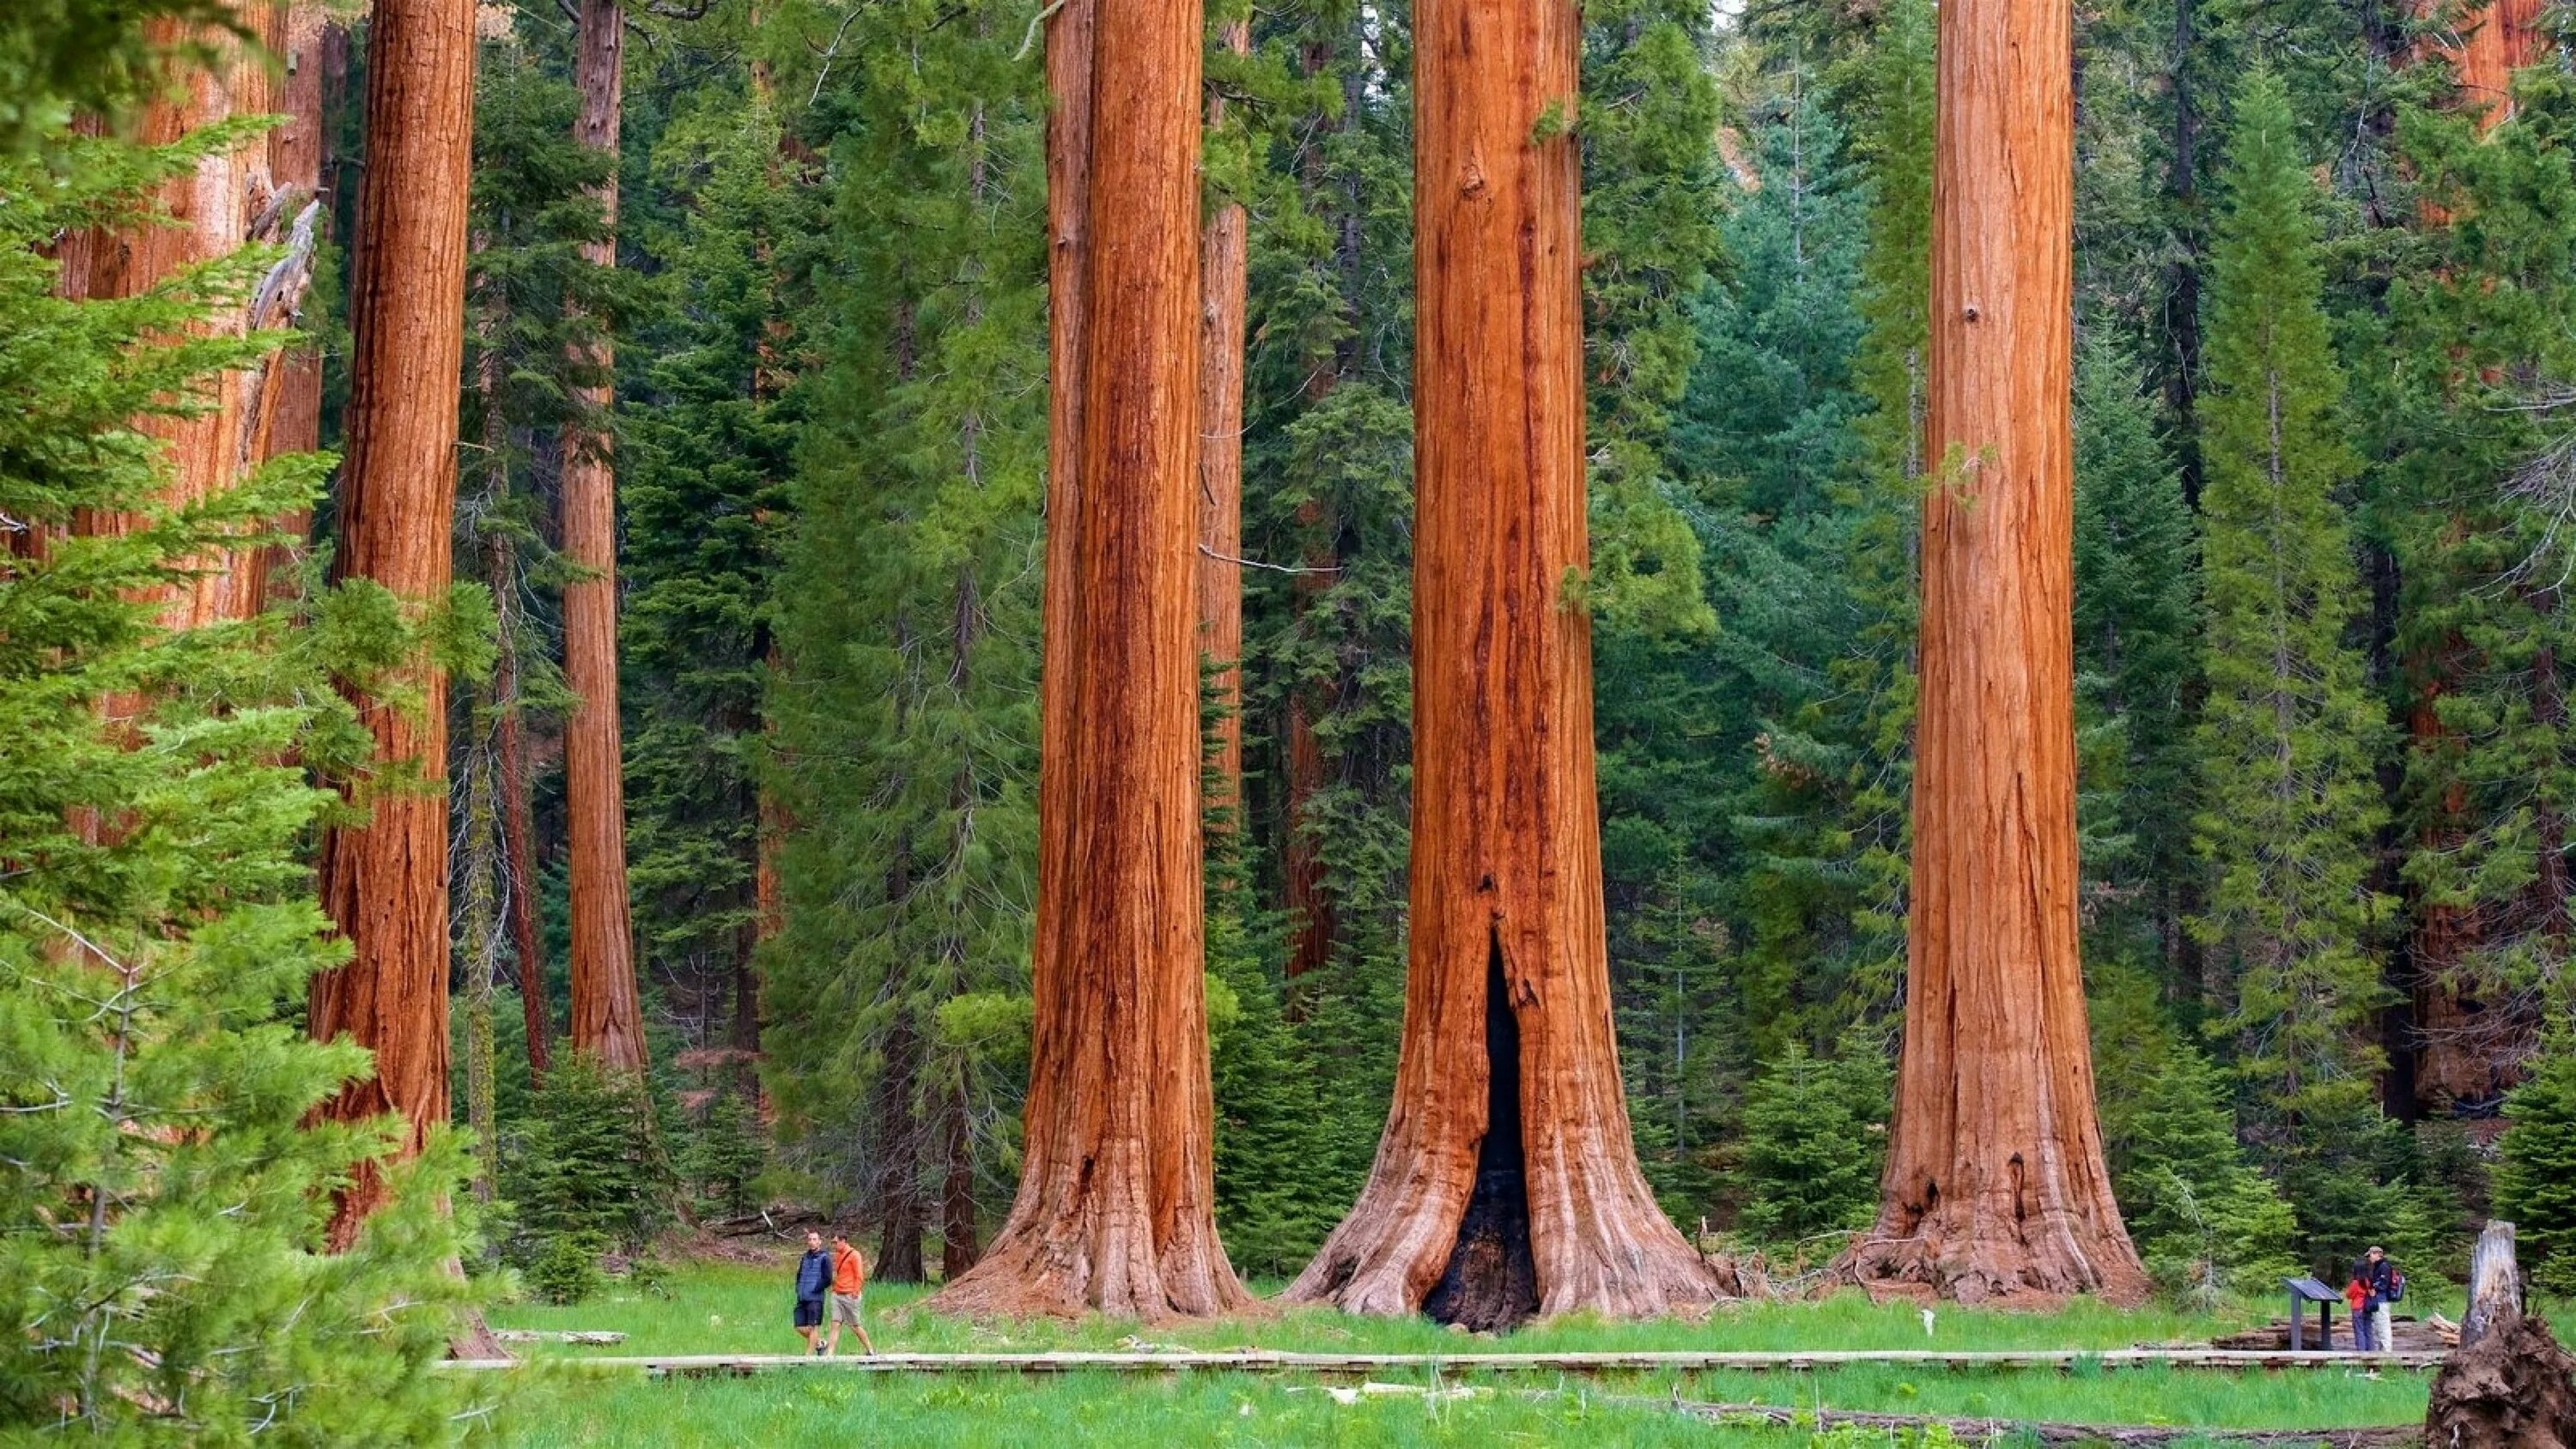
x,y
849,1286
813,1281
2379,1284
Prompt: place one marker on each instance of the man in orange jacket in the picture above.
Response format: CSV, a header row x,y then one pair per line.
x,y
849,1285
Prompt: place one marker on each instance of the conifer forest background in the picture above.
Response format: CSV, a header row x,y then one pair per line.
x,y
791,314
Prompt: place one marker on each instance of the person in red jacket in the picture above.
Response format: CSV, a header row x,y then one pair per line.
x,y
849,1286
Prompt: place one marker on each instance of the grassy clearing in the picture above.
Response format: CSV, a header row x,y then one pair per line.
x,y
717,1308
726,1308
1088,1409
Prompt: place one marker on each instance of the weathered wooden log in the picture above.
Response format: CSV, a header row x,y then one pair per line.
x,y
569,1335
2509,1386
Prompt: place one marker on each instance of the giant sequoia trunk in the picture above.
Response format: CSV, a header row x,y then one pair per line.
x,y
1115,1207
1995,1184
229,198
1506,1183
607,1017
385,883
1221,311
2466,1045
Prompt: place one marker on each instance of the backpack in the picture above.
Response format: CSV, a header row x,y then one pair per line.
x,y
2396,1286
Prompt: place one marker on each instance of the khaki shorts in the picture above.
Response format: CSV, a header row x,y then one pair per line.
x,y
845,1307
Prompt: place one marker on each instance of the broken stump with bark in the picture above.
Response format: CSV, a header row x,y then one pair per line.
x,y
2509,1386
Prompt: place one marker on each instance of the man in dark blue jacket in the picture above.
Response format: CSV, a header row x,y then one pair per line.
x,y
2381,1285
813,1280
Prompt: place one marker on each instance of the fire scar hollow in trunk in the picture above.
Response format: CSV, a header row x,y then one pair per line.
x,y
1506,1184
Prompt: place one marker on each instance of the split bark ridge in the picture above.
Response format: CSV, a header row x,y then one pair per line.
x,y
385,883
1506,1183
607,1014
1115,1210
1995,1184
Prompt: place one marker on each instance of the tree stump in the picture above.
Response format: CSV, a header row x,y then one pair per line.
x,y
2509,1386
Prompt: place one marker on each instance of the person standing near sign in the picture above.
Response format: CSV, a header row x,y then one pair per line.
x,y
2380,1284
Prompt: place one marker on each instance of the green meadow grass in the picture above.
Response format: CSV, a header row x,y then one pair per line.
x,y
729,1308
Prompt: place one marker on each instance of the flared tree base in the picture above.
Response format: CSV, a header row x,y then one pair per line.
x,y
1997,1258
1058,1269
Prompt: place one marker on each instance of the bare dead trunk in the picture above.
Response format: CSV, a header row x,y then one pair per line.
x,y
1115,1207
1222,272
385,883
2509,1384
1995,1186
958,1244
1506,1183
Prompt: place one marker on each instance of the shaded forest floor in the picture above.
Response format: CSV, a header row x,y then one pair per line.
x,y
714,1308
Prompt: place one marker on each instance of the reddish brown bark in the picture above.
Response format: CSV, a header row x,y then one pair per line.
x,y
1506,1183
1115,1207
2486,46
2461,1043
212,211
607,1015
1222,273
385,883
1995,1186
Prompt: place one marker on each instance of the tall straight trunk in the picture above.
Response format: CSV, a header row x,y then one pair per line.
x,y
1506,1183
385,883
1995,1185
607,1016
1222,274
1115,1207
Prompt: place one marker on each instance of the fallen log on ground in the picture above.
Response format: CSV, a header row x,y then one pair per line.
x,y
560,1335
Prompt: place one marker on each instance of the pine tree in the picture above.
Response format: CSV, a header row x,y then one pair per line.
x,y
2137,627
709,442
907,612
2536,1167
163,1210
2289,736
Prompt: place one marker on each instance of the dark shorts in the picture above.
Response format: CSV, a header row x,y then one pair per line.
x,y
809,1313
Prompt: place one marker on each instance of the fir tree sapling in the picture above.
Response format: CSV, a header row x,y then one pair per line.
x,y
1814,1136
2535,1181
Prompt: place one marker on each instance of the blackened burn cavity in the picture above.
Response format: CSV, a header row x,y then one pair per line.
x,y
1491,1282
